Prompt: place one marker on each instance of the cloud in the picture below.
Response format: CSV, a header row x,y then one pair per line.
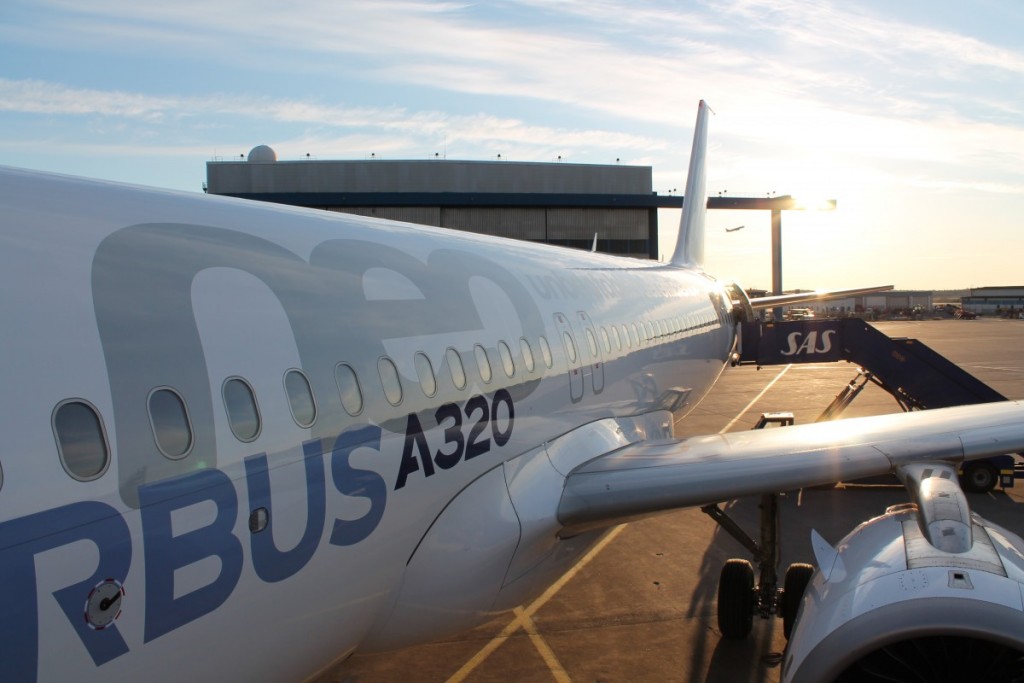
x,y
40,97
824,85
391,127
637,61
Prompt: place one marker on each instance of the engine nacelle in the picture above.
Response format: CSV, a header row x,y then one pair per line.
x,y
886,604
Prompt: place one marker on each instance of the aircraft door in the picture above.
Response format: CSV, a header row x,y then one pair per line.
x,y
572,357
594,347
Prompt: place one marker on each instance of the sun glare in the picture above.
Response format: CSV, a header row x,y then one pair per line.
x,y
814,202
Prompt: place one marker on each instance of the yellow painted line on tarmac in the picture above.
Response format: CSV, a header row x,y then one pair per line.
x,y
485,652
523,617
546,653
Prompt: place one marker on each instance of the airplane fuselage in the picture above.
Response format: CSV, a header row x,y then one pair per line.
x,y
287,409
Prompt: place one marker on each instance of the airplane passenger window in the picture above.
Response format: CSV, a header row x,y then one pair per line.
x,y
506,358
650,329
426,374
169,418
570,347
592,343
348,387
243,413
482,363
625,337
643,333
606,340
81,440
300,398
617,338
545,352
389,380
524,347
458,373
635,335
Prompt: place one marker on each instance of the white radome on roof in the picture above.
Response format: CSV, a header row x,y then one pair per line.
x,y
262,153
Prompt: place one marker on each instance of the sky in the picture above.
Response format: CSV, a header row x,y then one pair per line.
x,y
910,114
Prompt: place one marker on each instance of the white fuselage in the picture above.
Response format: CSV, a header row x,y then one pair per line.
x,y
390,367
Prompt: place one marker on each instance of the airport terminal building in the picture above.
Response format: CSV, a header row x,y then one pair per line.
x,y
554,203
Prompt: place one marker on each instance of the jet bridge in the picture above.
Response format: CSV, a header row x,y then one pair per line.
x,y
914,374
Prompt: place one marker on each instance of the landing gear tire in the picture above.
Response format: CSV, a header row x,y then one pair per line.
x,y
979,477
736,599
797,577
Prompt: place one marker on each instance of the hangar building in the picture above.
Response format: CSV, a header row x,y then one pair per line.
x,y
994,300
555,203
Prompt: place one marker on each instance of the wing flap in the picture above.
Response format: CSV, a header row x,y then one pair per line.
x,y
816,295
651,477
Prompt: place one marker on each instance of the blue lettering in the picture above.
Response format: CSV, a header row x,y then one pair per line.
x,y
353,481
166,553
414,438
502,396
270,563
457,447
28,536
452,435
475,447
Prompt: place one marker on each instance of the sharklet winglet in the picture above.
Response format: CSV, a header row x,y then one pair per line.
x,y
689,251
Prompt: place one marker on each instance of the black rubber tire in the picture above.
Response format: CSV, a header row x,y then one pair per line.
x,y
798,575
736,600
979,477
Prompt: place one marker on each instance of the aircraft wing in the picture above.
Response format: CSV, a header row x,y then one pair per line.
x,y
650,477
817,295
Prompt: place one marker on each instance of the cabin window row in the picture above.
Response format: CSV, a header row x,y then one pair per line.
x,y
82,440
628,336
83,446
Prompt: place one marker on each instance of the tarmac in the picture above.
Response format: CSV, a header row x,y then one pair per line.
x,y
640,606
